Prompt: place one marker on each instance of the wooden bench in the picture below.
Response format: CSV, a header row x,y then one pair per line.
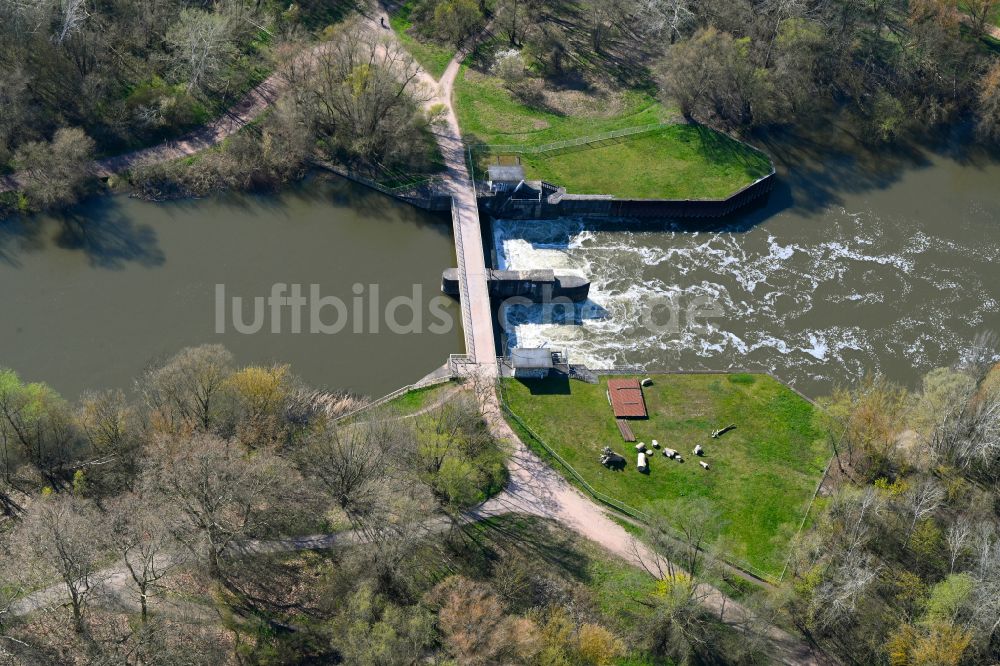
x,y
625,429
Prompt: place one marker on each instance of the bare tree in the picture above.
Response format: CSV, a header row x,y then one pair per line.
x,y
923,501
222,495
65,537
56,171
202,43
365,93
188,392
956,537
140,535
72,15
354,464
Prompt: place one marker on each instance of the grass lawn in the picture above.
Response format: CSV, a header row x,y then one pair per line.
x,y
762,474
680,161
417,399
488,113
432,57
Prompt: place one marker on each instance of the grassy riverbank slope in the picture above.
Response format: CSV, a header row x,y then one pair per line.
x,y
678,161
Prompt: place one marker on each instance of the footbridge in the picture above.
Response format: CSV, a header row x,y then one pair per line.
x,y
477,313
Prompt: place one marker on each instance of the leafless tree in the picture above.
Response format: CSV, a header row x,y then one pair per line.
x,y
355,462
957,537
65,538
72,15
188,392
845,585
365,94
923,501
140,535
222,495
202,43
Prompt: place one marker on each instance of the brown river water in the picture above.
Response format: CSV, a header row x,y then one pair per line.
x,y
859,261
92,308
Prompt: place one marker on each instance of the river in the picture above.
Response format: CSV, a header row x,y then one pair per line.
x,y
859,262
92,297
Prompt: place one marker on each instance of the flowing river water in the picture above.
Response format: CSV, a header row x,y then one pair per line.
x,y
857,263
91,298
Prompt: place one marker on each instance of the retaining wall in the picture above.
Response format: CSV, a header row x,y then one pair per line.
x,y
604,206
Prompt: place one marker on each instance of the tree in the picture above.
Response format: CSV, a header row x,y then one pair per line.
x,y
202,44
363,95
659,18
596,646
35,418
457,20
980,13
56,171
988,97
188,393
223,496
64,536
110,425
710,77
139,533
473,621
355,465
262,398
512,18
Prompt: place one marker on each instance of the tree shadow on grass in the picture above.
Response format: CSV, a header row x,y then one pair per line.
x,y
534,538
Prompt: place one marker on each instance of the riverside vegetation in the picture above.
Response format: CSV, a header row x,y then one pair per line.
x,y
898,70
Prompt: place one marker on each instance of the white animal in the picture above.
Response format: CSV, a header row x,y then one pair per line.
x,y
641,446
698,450
703,464
656,444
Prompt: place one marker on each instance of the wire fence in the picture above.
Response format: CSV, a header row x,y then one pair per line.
x,y
616,504
568,143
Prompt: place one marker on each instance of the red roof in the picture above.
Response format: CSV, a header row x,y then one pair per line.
x,y
626,398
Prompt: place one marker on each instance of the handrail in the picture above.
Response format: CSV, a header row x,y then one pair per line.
x,y
463,281
389,397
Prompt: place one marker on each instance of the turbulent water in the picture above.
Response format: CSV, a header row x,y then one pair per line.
x,y
897,278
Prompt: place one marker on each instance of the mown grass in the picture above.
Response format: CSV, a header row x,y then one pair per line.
x,y
678,162
762,474
432,57
417,399
489,113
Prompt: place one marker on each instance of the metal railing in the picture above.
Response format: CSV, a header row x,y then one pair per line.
x,y
568,143
398,393
463,281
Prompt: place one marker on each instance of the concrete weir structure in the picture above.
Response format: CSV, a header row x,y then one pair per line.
x,y
538,286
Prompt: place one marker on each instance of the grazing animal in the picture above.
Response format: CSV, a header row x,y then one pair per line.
x,y
703,464
698,451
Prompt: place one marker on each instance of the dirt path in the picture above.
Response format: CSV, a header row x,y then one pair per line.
x,y
244,112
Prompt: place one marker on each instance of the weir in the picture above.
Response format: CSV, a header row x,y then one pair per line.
x,y
538,286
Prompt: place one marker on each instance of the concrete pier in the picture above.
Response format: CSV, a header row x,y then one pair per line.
x,y
538,286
